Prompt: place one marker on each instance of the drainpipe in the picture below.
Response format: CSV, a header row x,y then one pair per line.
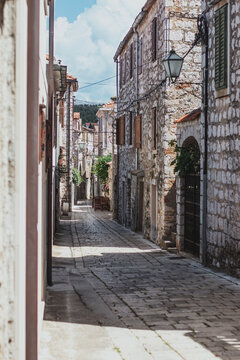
x,y
205,161
68,147
32,181
50,143
117,172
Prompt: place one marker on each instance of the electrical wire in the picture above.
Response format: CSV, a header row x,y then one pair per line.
x,y
97,82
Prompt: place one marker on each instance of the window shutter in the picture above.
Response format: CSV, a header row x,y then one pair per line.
x,y
138,131
131,61
121,74
140,56
124,69
118,131
154,39
122,130
130,128
221,47
154,128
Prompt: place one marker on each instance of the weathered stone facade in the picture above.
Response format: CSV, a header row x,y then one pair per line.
x,y
223,206
66,146
147,189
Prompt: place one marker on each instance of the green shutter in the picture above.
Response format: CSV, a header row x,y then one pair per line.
x,y
221,48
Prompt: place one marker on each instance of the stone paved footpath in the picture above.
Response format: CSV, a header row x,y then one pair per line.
x,y
117,296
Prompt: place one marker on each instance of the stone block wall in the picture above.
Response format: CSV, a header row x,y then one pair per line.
x,y
66,143
223,207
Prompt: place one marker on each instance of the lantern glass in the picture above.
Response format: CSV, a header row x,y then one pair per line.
x,y
173,65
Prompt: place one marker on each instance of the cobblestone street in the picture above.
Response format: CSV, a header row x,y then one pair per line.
x,y
118,296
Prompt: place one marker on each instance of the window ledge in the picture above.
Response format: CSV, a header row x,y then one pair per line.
x,y
221,93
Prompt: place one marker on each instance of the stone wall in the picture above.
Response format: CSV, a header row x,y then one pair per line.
x,y
175,30
7,180
66,143
223,207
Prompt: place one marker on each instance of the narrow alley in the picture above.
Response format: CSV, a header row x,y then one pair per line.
x,y
118,296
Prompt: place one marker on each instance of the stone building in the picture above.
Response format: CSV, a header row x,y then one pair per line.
x,y
148,105
223,140
66,147
89,138
106,119
107,143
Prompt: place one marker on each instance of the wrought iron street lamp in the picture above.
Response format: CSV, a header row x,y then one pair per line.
x,y
173,65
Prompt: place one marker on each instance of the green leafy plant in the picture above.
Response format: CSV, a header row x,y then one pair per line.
x,y
77,179
62,170
100,168
187,160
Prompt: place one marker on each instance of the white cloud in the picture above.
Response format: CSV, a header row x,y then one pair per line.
x,y
87,45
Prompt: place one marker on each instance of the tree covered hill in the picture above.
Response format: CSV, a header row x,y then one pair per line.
x,y
87,112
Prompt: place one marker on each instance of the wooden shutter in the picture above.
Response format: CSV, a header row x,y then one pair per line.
x,y
125,69
140,56
154,39
138,131
131,61
221,47
130,128
118,131
122,130
154,128
121,74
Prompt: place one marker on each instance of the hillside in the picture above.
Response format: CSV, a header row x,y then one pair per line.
x,y
87,112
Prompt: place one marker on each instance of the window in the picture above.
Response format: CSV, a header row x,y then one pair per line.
x,y
131,61
131,128
120,137
154,128
221,48
138,131
124,69
140,56
121,73
154,39
106,131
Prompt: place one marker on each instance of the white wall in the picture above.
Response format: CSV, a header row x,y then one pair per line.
x,y
42,179
20,176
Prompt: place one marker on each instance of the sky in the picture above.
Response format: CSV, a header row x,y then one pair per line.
x,y
87,34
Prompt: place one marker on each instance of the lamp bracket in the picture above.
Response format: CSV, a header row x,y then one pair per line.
x,y
202,28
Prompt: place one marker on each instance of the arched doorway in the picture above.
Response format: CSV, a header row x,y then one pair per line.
x,y
192,197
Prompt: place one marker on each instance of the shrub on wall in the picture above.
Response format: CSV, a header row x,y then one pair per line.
x,y
77,179
100,168
187,160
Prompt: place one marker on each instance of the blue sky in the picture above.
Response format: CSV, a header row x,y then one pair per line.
x,y
71,8
87,34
